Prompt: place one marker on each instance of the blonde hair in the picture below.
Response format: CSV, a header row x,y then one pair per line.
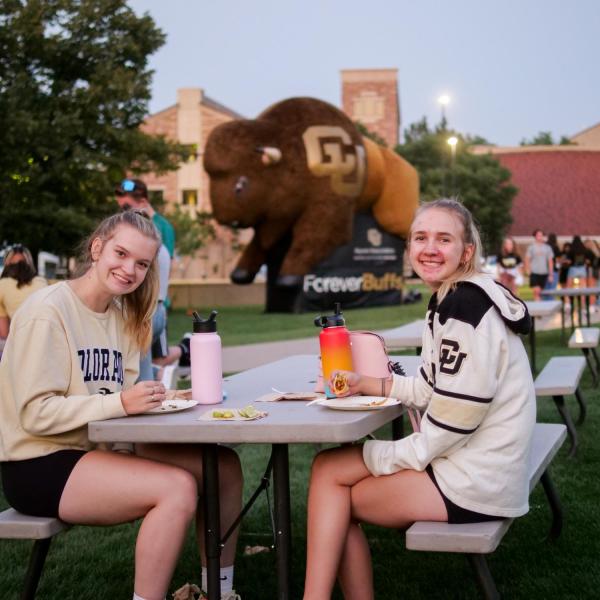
x,y
470,236
139,305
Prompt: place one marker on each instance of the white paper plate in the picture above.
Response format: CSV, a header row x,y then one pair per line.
x,y
358,403
169,406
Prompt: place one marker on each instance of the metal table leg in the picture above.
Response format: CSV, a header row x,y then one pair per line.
x,y
587,310
554,501
566,417
212,519
484,576
36,565
582,406
398,428
283,528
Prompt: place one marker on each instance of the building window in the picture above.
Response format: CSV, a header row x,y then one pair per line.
x,y
189,197
369,107
190,153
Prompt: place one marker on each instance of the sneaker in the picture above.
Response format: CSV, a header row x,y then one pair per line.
x,y
184,344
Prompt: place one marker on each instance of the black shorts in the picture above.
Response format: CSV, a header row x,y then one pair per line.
x,y
537,280
35,486
457,514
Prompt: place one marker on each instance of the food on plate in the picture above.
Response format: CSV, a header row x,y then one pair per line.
x,y
248,412
340,384
222,414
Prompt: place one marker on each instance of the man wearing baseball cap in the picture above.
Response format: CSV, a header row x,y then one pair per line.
x,y
133,194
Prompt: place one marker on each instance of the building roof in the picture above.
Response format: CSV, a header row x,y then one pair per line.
x,y
209,103
559,189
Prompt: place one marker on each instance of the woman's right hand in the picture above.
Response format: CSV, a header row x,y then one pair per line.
x,y
353,381
143,396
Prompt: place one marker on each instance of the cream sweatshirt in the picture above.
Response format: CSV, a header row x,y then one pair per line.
x,y
476,389
63,366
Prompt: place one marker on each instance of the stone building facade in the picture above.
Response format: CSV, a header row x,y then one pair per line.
x,y
190,122
370,96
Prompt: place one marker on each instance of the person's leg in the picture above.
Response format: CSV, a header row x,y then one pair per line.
x,y
106,488
189,457
356,582
342,492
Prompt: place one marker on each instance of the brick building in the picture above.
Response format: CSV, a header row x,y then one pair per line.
x,y
190,122
370,96
559,186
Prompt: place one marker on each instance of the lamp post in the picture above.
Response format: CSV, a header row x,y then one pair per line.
x,y
452,141
443,101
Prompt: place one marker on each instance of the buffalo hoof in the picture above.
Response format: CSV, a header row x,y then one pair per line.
x,y
242,276
290,281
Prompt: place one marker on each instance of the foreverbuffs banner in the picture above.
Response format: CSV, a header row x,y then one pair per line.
x,y
365,272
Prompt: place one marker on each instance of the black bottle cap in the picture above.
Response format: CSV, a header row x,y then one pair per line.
x,y
200,325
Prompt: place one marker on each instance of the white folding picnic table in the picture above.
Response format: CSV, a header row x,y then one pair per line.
x,y
537,310
287,422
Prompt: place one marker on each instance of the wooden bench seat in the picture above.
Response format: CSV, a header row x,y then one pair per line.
x,y
14,525
559,378
478,539
586,339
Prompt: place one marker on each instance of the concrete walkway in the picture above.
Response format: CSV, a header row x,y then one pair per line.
x,y
240,358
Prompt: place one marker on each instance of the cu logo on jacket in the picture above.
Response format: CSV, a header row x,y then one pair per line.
x,y
451,359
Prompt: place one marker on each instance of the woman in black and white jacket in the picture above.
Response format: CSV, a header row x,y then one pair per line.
x,y
469,461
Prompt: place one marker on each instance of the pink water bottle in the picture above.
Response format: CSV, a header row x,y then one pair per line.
x,y
334,340
206,361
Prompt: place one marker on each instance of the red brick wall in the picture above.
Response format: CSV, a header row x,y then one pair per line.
x,y
379,88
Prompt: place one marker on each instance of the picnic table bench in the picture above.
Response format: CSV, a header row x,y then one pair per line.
x,y
560,377
17,526
586,339
475,540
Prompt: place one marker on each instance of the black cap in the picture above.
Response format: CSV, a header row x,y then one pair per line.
x,y
200,325
132,187
335,320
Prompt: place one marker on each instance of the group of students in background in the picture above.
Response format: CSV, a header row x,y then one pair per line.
x,y
549,265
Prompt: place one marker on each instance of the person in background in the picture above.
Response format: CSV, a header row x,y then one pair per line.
x,y
17,282
539,264
133,193
468,462
509,266
93,328
553,243
593,269
580,260
564,263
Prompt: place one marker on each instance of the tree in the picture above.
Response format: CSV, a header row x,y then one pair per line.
x,y
479,181
74,89
544,138
192,232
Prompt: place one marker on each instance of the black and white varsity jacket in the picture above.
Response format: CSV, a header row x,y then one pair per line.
x,y
476,388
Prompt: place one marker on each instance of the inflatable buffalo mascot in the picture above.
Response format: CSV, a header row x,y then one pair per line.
x,y
302,169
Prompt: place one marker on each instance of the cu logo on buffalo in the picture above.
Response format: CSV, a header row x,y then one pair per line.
x,y
451,359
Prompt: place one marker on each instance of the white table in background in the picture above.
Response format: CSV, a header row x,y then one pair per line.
x,y
409,335
539,309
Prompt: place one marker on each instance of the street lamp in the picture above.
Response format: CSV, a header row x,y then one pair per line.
x,y
452,141
443,101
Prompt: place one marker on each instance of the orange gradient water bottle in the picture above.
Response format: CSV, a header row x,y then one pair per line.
x,y
334,339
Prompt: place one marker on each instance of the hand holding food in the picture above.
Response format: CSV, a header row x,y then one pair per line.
x,y
344,383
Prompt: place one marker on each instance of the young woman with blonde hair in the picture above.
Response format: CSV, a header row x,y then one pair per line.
x,y
72,357
476,391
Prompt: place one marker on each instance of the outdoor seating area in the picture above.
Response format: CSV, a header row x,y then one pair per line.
x,y
292,450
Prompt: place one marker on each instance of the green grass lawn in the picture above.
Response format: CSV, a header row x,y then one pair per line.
x,y
97,563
